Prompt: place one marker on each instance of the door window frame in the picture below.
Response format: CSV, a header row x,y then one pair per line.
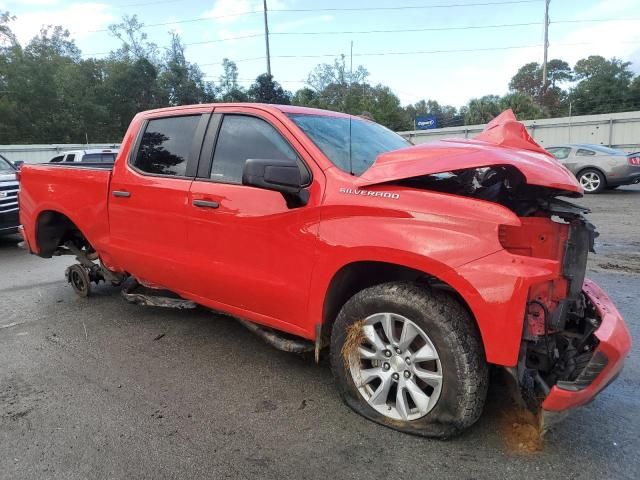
x,y
205,164
194,151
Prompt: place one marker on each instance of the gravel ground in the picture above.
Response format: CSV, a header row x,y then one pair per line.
x,y
100,388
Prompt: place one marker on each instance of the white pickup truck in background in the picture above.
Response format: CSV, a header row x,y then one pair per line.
x,y
97,155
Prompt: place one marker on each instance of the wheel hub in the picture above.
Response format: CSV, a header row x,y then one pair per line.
x,y
397,369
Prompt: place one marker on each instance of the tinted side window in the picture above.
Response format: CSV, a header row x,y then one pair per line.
x,y
242,137
585,153
91,157
70,157
165,145
99,157
560,153
56,159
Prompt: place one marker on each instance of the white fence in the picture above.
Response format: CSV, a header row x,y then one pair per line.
x,y
44,153
616,130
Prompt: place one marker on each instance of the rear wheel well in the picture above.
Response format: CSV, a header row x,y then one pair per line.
x,y
54,229
357,276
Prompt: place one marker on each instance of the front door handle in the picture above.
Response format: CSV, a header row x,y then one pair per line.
x,y
205,204
121,193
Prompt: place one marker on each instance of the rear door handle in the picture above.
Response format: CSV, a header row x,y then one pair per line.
x,y
121,193
205,204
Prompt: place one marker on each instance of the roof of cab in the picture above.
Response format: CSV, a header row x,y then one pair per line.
x,y
262,106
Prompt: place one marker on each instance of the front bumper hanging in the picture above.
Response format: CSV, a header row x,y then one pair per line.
x,y
614,342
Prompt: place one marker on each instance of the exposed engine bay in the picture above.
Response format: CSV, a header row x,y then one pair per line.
x,y
558,341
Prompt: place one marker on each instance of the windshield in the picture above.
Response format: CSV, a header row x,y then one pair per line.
x,y
331,135
6,167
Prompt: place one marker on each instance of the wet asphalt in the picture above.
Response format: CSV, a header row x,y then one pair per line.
x,y
101,389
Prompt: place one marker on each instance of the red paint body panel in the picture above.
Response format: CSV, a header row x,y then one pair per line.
x,y
615,343
255,258
79,193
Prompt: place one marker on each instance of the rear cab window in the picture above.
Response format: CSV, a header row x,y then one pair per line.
x,y
165,145
583,152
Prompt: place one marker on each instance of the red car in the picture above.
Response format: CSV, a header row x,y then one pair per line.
x,y
418,266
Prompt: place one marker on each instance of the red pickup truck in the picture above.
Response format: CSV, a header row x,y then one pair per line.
x,y
418,266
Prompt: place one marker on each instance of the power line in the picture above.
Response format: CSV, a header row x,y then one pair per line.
x,y
301,10
178,22
362,32
413,52
402,7
144,4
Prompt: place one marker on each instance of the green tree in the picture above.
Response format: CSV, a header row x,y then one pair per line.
x,y
384,106
135,42
7,37
603,85
180,81
228,83
553,98
130,86
306,97
326,74
523,106
266,90
634,94
481,110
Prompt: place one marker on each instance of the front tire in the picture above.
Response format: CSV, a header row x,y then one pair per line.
x,y
410,358
592,180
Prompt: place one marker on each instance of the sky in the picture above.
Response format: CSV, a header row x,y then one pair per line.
x,y
450,51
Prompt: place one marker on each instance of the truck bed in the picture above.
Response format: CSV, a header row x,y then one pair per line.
x,y
79,192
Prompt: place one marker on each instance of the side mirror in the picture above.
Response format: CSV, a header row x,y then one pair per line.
x,y
18,164
282,175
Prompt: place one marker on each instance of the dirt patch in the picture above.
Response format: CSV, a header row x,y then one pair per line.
x,y
354,338
521,430
622,268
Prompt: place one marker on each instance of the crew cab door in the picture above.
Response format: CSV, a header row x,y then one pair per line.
x,y
253,255
148,197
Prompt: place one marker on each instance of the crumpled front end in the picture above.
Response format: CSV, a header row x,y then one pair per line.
x,y
574,340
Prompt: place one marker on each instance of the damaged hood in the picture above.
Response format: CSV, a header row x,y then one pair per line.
x,y
504,142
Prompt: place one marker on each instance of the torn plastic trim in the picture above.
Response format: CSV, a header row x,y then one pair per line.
x,y
134,292
281,341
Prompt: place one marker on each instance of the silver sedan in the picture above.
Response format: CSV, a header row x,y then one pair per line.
x,y
598,167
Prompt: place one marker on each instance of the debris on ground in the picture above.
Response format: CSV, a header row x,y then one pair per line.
x,y
520,430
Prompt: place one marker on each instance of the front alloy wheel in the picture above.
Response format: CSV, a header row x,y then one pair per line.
x,y
397,369
410,357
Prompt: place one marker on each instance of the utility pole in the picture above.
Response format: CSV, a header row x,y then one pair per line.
x,y
546,45
266,38
351,66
